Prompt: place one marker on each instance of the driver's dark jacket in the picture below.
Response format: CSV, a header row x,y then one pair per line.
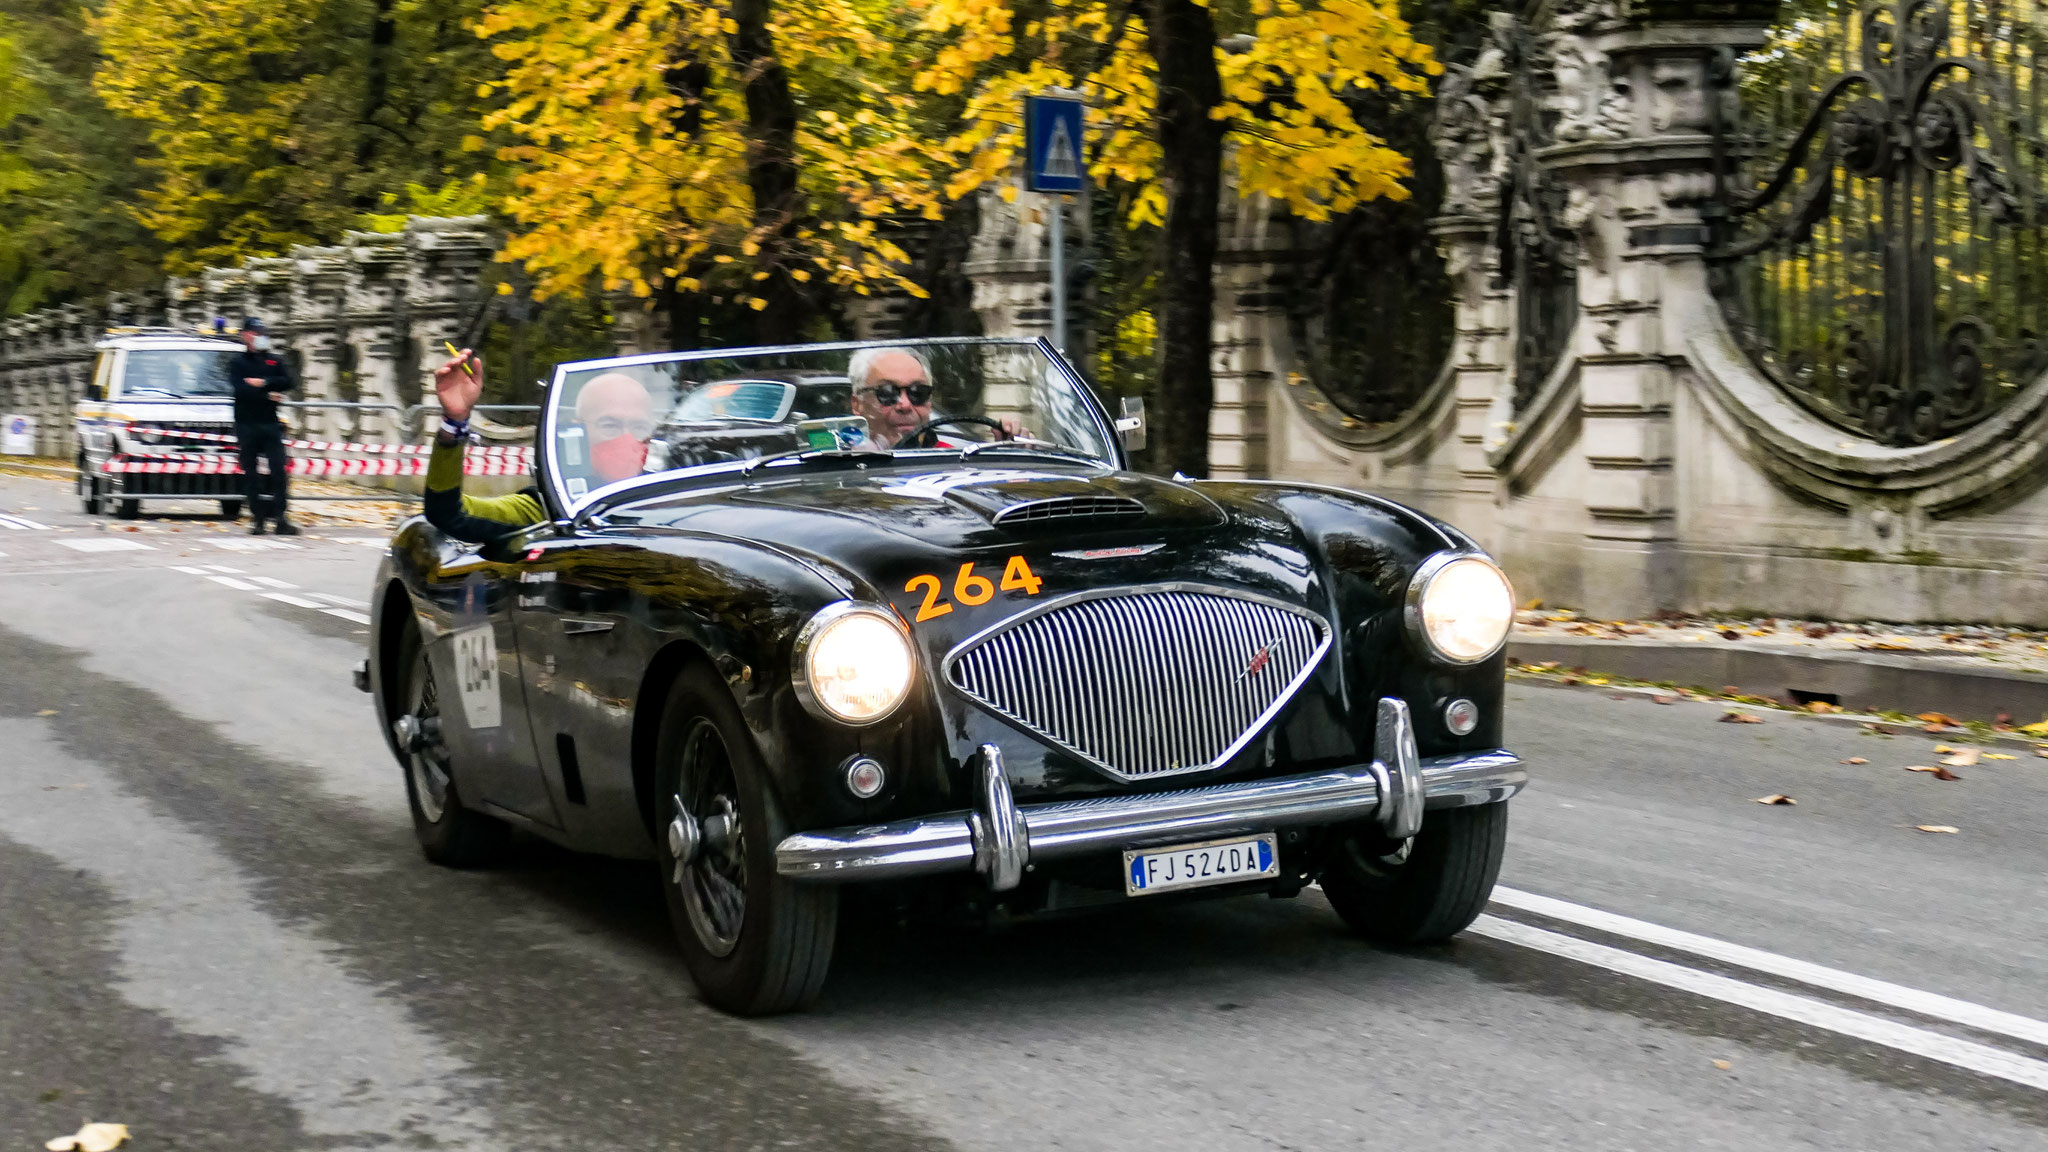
x,y
476,519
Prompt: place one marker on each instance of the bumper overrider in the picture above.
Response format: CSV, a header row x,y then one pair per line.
x,y
999,837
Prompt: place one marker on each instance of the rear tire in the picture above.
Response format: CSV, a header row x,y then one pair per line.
x,y
231,509
1424,891
754,942
88,490
127,509
450,834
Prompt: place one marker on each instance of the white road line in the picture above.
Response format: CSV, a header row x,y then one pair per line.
x,y
1966,1054
20,523
107,544
1834,979
231,582
226,569
343,601
345,614
251,545
294,601
273,582
189,571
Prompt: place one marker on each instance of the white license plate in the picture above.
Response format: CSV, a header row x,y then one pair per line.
x,y
1194,865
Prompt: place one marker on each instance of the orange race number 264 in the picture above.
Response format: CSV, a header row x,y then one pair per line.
x,y
970,589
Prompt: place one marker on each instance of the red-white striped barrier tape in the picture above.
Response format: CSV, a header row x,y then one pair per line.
x,y
510,453
226,466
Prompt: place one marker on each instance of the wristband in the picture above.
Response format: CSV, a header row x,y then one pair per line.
x,y
456,429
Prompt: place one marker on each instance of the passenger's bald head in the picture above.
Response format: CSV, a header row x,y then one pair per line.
x,y
614,403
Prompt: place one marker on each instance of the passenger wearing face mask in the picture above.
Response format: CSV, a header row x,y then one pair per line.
x,y
261,378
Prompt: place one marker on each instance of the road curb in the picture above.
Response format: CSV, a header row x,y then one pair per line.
x,y
64,471
1860,681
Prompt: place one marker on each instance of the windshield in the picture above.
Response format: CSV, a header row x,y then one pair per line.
x,y
176,372
614,421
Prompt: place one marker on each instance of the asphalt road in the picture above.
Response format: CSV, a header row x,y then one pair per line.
x,y
215,928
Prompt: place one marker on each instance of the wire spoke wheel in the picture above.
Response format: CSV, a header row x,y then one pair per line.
x,y
713,885
428,763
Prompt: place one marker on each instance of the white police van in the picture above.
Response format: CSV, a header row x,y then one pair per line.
x,y
149,385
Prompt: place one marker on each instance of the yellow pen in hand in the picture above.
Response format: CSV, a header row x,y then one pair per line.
x,y
457,353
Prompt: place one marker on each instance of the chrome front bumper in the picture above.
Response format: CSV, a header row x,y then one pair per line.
x,y
999,837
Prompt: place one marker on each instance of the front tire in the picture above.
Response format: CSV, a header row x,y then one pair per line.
x,y
449,833
127,509
231,509
1422,891
88,490
755,943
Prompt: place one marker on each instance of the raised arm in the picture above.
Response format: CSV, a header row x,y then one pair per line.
x,y
477,519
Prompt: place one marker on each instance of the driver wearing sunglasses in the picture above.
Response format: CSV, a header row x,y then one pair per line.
x,y
892,390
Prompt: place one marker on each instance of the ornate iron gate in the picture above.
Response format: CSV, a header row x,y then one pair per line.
x,y
1881,252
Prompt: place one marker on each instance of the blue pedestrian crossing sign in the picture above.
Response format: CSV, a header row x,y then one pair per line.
x,y
1052,139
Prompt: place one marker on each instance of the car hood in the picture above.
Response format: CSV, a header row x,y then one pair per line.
x,y
875,532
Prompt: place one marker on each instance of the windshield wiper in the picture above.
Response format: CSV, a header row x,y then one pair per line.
x,y
158,391
1034,447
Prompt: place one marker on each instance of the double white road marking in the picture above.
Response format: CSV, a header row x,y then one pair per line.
x,y
1970,1055
282,591
21,523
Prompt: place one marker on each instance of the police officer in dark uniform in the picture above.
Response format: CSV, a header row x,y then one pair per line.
x,y
261,378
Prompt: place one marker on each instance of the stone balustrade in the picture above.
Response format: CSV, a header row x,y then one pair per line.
x,y
362,321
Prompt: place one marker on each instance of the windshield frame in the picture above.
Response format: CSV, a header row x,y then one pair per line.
x,y
566,507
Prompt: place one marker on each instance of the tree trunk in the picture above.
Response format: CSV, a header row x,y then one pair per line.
x,y
376,95
771,174
1182,36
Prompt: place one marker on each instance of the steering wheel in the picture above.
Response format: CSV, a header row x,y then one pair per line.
x,y
922,435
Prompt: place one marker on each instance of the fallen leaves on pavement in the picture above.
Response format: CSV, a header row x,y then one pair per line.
x,y
47,712
1855,760
1998,756
91,1138
1776,798
1948,828
1724,1065
1741,718
1936,770
1963,758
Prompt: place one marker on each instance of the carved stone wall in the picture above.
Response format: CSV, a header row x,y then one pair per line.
x,y
1653,466
362,320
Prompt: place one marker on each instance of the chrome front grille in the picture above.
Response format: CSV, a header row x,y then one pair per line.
x,y
1144,682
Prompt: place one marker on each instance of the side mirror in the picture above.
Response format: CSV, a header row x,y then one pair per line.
x,y
1130,427
94,392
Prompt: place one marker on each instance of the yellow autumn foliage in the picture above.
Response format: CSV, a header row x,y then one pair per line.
x,y
627,178
1291,134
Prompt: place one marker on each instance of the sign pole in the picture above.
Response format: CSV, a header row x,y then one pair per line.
x,y
1054,126
1059,271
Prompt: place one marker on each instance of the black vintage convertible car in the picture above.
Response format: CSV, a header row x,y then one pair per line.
x,y
902,618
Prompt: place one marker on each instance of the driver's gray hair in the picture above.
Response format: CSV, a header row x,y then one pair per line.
x,y
863,362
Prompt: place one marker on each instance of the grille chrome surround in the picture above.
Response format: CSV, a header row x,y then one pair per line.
x,y
1148,681
1071,508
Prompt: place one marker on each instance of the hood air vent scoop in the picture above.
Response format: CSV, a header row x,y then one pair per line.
x,y
1070,508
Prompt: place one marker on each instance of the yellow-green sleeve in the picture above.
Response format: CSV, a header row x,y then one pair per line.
x,y
471,517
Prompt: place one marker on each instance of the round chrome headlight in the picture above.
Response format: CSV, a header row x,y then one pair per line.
x,y
1460,607
853,664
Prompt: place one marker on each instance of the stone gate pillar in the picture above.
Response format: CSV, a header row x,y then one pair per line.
x,y
1254,252
1640,98
444,258
372,294
318,287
